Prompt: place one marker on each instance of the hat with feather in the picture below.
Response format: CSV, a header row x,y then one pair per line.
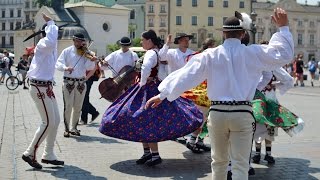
x,y
238,22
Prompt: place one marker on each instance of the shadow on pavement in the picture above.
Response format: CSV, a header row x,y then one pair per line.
x,y
170,168
285,168
88,139
68,172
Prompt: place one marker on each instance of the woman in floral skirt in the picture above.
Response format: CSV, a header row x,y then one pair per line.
x,y
127,118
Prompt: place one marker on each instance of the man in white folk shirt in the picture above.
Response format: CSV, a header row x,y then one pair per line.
x,y
41,76
74,65
176,58
120,58
232,71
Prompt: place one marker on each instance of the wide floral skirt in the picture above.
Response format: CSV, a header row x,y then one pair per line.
x,y
271,114
127,118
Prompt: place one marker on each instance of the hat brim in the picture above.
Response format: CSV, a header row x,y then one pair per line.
x,y
81,39
125,44
176,40
224,29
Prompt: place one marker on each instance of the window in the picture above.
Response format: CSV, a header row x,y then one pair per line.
x,y
132,34
210,35
162,22
11,26
210,21
3,13
27,17
150,22
194,39
194,20
179,2
151,8
300,39
225,3
299,23
194,3
311,39
178,20
311,23
34,4
162,8
19,13
210,3
3,26
241,5
11,13
3,40
223,19
11,40
162,36
132,14
27,4
18,25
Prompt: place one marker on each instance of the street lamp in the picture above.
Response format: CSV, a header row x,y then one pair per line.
x,y
253,16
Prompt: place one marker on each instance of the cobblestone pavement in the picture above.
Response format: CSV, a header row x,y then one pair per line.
x,y
95,156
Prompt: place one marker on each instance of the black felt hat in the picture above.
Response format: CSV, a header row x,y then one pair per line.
x,y
79,36
182,35
125,41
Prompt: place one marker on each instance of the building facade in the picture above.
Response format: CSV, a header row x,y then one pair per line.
x,y
136,17
303,21
12,17
201,18
157,17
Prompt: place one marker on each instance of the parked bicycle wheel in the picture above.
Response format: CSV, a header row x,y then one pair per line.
x,y
12,83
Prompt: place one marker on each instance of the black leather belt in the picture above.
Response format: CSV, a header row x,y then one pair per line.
x,y
231,103
73,79
41,82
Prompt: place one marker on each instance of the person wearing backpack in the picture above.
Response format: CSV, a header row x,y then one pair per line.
x,y
6,67
312,69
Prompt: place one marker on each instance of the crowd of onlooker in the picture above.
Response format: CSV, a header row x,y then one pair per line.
x,y
297,68
6,62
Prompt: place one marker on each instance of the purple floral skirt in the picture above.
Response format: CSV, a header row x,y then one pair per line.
x,y
127,119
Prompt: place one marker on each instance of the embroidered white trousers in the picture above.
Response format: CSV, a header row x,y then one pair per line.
x,y
231,131
46,104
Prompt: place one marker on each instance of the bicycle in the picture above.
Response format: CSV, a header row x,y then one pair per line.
x,y
13,82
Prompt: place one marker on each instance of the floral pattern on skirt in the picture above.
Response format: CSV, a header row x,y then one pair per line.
x,y
127,119
272,114
198,95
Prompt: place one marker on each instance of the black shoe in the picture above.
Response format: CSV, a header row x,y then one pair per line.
x,y
66,134
312,84
251,171
75,132
203,146
53,162
144,159
25,87
94,117
154,162
256,158
31,162
229,175
270,159
193,148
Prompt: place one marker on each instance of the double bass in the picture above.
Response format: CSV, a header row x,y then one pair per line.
x,y
111,88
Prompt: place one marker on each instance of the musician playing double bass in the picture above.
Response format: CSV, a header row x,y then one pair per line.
x,y
74,61
120,58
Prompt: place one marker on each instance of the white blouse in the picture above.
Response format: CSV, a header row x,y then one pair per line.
x,y
150,60
70,58
232,69
45,55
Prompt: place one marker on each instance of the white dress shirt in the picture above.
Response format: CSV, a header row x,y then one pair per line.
x,y
69,58
150,60
232,69
45,55
175,57
118,59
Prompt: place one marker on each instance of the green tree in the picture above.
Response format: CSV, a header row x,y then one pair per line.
x,y
136,42
113,47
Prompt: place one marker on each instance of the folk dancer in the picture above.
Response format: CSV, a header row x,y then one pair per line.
x,y
232,71
41,75
74,62
199,96
127,119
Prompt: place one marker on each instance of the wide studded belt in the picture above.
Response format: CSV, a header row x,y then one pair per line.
x,y
73,79
231,103
39,82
